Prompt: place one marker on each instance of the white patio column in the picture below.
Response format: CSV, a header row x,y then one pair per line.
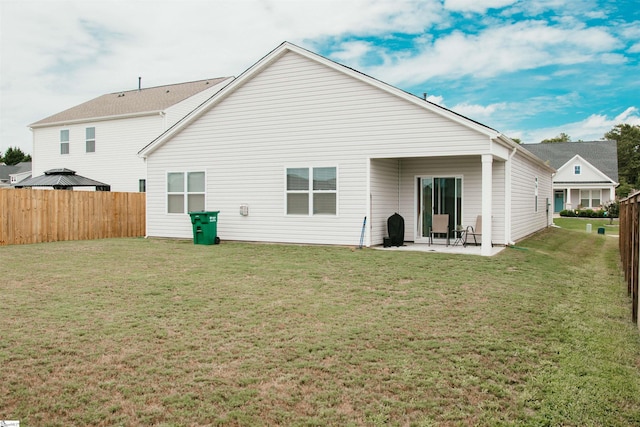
x,y
487,202
612,194
568,205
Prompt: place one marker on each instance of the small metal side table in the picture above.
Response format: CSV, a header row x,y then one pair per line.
x,y
460,233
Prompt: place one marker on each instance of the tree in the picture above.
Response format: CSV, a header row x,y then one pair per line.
x,y
13,156
563,137
627,139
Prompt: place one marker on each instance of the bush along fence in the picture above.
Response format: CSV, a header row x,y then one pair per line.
x,y
34,216
630,247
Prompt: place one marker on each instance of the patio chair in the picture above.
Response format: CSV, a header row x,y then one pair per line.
x,y
439,225
474,232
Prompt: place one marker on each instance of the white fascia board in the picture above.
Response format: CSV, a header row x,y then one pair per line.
x,y
98,119
509,143
288,47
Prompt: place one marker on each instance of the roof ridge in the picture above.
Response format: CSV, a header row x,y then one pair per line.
x,y
168,85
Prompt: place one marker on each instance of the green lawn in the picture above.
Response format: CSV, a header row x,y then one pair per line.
x,y
580,224
166,333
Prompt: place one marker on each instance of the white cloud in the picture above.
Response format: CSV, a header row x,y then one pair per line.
x,y
481,113
438,100
477,6
508,48
56,54
592,128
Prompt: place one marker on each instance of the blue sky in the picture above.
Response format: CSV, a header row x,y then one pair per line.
x,y
530,69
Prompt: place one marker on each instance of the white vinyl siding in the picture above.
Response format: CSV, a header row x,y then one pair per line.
x,y
385,196
523,220
296,112
115,161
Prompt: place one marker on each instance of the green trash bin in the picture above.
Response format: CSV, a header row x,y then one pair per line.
x,y
600,230
205,227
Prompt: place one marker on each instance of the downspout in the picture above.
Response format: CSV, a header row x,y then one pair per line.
x,y
508,200
399,182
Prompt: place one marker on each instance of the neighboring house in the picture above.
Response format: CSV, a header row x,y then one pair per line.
x,y
587,172
100,138
10,175
300,149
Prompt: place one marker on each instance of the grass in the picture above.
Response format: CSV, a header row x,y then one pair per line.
x,y
167,333
580,224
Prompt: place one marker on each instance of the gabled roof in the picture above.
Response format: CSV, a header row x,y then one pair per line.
x,y
286,47
132,102
6,170
603,155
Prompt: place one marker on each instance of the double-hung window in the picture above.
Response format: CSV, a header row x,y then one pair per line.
x,y
590,198
91,140
185,192
312,191
577,170
64,141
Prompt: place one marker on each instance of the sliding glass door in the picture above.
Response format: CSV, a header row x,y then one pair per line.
x,y
438,195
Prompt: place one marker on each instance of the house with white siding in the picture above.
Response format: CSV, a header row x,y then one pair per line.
x,y
100,138
299,149
587,172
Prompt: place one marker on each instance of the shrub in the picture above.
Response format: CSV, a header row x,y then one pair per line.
x,y
586,213
612,209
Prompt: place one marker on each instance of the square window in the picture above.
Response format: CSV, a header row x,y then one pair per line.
x,y
298,204
324,203
185,192
320,199
298,179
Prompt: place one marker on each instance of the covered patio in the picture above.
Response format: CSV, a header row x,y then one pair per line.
x,y
442,249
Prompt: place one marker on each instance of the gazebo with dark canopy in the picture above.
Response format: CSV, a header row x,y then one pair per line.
x,y
62,179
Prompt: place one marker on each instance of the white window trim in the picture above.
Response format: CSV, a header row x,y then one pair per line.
x,y
87,140
311,191
577,169
185,192
589,193
67,142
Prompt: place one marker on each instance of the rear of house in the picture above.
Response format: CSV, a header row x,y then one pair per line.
x,y
300,149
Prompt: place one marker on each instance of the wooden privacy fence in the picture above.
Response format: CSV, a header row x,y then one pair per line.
x,y
630,247
33,216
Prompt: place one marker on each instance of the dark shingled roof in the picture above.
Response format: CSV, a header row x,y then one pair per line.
x,y
62,179
601,154
6,170
131,102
